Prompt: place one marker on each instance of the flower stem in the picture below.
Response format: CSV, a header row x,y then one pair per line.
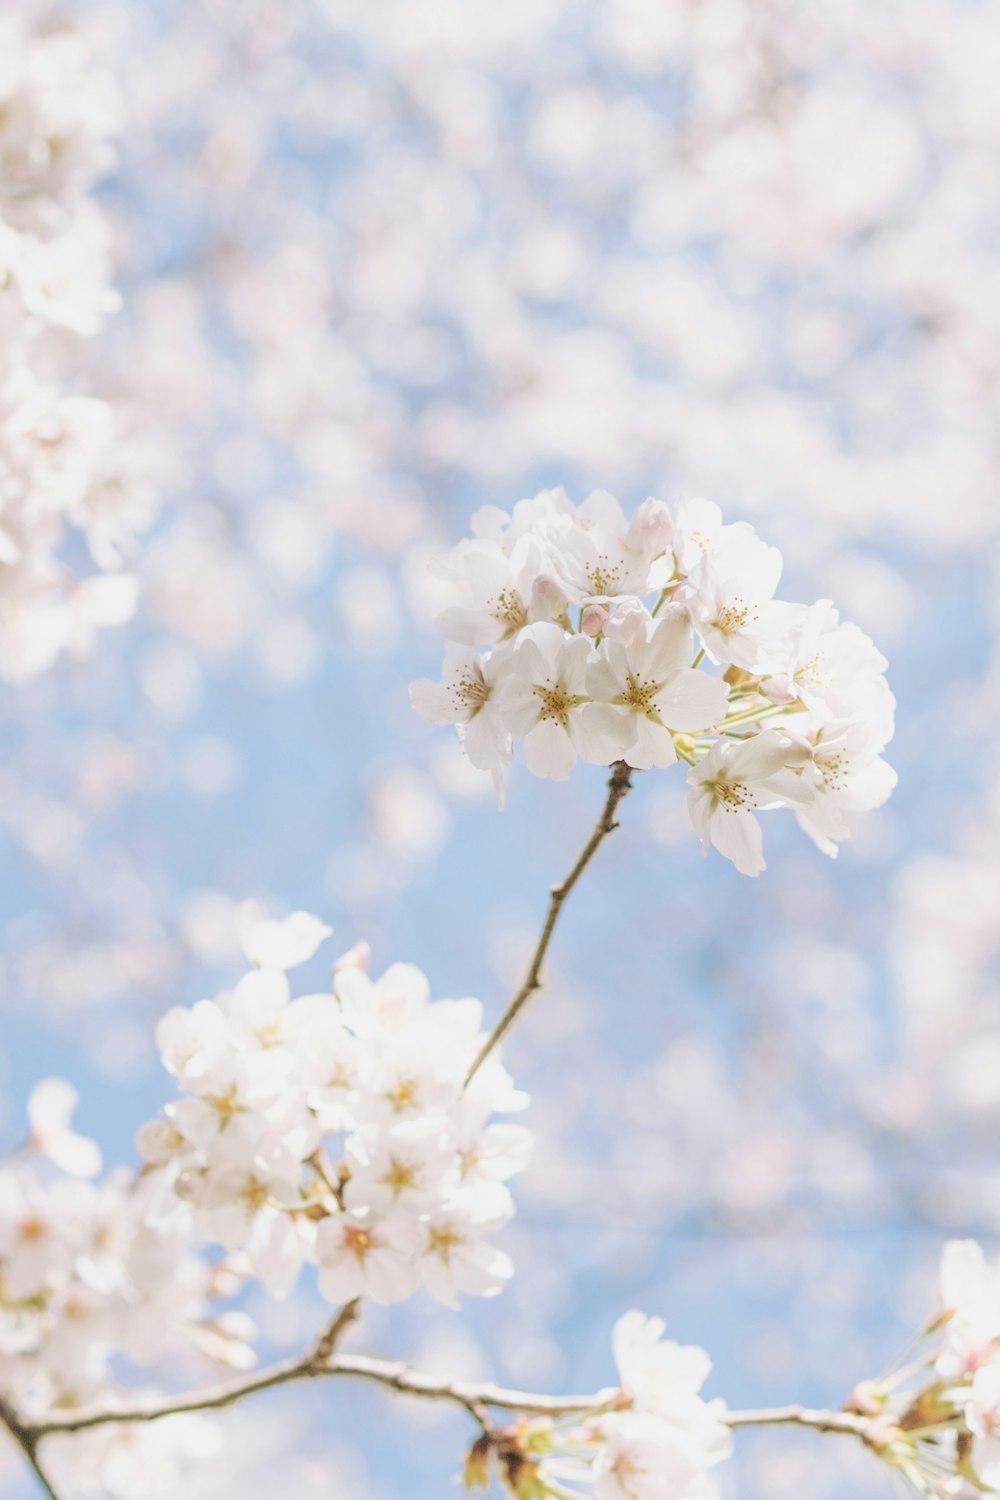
x,y
618,787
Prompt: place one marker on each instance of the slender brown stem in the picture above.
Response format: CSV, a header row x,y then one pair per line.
x,y
27,1437
390,1373
618,787
329,1339
396,1376
800,1416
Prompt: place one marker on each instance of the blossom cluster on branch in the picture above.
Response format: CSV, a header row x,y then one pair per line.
x,y
590,621
336,1128
65,468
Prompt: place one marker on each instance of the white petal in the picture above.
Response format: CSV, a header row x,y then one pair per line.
x,y
737,835
433,702
692,700
549,751
279,945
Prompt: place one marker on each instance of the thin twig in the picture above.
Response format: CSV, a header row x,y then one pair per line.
x,y
800,1416
27,1437
329,1339
618,787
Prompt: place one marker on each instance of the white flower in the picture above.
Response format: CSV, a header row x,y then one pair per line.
x,y
643,686
192,1042
663,1446
543,698
467,695
970,1294
492,524
645,1459
847,777
504,592
659,1375
406,1166
382,1007
729,592
981,1407
51,1105
596,554
734,778
455,1257
336,1128
278,944
362,1256
831,666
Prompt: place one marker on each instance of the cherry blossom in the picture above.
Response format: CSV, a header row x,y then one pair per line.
x,y
607,634
335,1129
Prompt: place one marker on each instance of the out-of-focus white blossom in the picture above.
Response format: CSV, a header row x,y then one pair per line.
x,y
65,469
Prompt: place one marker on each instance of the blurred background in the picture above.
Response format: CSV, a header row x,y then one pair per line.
x,y
381,264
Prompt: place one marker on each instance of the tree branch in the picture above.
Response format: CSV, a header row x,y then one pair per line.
x,y
27,1437
618,787
329,1339
390,1373
397,1376
801,1416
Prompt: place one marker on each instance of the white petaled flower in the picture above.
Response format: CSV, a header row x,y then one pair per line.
x,y
592,615
829,665
734,779
729,593
643,686
848,778
643,1458
543,698
455,1256
51,1106
663,1445
467,695
596,554
407,1165
279,944
505,592
367,1256
336,1129
981,1409
969,1287
67,475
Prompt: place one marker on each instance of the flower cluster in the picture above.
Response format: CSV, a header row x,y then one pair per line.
x,y
85,1279
654,1438
935,1415
591,619
335,1128
63,467
668,1437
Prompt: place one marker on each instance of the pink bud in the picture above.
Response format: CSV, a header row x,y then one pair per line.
x,y
651,527
593,620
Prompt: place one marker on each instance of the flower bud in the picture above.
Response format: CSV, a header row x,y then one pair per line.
x,y
476,1473
651,527
523,1477
593,620
778,689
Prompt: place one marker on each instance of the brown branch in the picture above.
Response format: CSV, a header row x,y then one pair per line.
x,y
27,1437
329,1339
618,787
390,1373
801,1416
397,1376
